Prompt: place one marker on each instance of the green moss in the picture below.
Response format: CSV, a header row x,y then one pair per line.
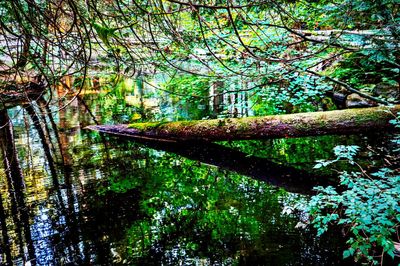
x,y
147,126
185,123
172,126
242,125
377,115
221,123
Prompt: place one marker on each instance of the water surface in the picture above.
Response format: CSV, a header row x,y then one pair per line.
x,y
70,196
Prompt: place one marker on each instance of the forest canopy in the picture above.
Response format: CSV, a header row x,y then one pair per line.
x,y
293,51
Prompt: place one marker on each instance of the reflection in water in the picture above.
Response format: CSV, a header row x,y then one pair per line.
x,y
73,197
15,184
284,176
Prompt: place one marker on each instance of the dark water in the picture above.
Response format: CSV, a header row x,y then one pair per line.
x,y
70,196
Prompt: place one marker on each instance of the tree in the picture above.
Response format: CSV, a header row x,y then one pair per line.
x,y
295,48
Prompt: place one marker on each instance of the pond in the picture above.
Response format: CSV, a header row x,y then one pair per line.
x,y
70,196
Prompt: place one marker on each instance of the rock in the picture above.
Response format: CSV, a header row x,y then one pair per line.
x,y
388,91
355,101
339,95
339,98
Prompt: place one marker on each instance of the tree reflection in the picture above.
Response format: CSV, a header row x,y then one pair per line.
x,y
93,200
15,183
43,233
60,227
5,244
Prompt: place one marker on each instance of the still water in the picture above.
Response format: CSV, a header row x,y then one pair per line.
x,y
70,196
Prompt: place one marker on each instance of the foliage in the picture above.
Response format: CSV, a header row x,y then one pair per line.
x,y
190,94
341,152
368,207
280,50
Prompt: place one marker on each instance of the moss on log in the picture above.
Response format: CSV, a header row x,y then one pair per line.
x,y
349,121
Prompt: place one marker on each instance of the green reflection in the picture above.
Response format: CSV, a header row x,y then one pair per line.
x,y
189,212
95,200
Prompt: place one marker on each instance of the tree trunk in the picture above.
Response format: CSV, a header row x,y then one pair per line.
x,y
349,121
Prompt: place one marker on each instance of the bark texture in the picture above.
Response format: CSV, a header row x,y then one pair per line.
x,y
349,121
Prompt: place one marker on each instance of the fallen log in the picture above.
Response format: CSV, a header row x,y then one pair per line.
x,y
339,122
